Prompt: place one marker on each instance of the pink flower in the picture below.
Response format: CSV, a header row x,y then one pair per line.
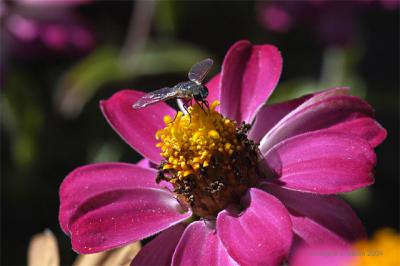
x,y
312,148
320,16
33,26
47,3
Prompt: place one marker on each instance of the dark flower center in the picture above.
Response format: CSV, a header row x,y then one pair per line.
x,y
209,160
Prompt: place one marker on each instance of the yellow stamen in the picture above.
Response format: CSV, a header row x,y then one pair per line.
x,y
189,141
187,172
214,134
167,166
167,119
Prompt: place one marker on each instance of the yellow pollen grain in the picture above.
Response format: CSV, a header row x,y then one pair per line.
x,y
167,119
197,159
189,141
187,172
214,104
214,134
167,166
227,146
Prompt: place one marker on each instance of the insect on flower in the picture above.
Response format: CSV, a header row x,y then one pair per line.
x,y
226,194
187,90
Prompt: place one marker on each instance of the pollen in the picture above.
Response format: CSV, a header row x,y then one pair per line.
x,y
189,141
208,159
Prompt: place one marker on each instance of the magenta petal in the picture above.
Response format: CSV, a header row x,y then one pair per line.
x,y
325,94
261,235
159,251
364,127
326,255
248,77
118,217
314,116
268,115
233,69
322,162
144,163
88,181
136,126
312,99
319,219
200,245
214,88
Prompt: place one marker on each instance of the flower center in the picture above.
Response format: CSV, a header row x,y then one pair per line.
x,y
208,159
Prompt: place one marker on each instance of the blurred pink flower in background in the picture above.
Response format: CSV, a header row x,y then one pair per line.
x,y
49,3
31,27
311,148
334,22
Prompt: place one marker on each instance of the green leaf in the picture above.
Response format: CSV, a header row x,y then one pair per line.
x,y
79,84
104,65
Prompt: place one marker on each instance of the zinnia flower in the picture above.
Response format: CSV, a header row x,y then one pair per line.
x,y
382,249
227,192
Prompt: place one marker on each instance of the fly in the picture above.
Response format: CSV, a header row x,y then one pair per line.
x,y
186,90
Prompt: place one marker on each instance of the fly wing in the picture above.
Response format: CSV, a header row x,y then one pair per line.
x,y
156,96
199,70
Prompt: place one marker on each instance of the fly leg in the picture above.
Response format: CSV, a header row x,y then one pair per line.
x,y
185,106
205,102
176,114
201,103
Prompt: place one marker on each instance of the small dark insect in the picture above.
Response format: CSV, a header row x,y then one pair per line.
x,y
187,90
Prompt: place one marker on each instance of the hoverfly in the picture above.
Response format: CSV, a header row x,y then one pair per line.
x,y
186,90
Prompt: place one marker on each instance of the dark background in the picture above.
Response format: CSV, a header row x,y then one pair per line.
x,y
41,141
